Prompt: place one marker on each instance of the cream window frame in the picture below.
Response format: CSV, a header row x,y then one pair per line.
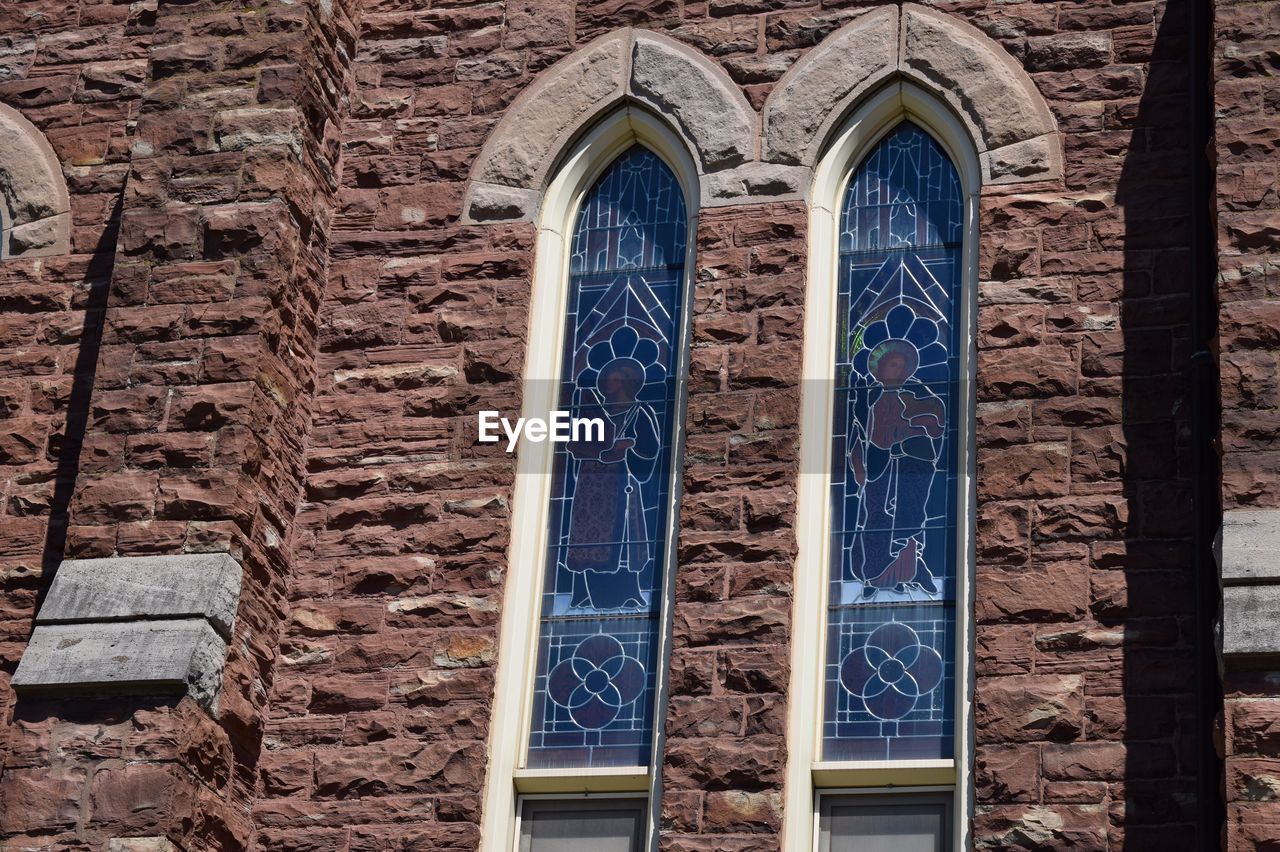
x,y
507,779
878,792
593,796
807,775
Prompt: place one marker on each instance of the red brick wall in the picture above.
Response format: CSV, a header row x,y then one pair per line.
x,y
201,385
1086,725
1247,100
1083,699
372,710
75,70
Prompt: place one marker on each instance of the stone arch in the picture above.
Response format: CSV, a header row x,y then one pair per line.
x,y
674,81
1007,118
36,216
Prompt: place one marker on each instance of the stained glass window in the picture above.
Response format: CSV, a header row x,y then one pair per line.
x,y
593,702
890,664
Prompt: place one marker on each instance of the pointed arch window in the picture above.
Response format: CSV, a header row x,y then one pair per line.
x,y
595,681
890,671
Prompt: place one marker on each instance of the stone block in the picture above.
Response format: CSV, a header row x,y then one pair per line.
x,y
189,585
170,656
492,202
993,90
679,82
754,180
1251,620
1249,545
1032,159
813,93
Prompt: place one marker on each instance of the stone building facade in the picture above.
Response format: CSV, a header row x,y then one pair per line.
x,y
264,262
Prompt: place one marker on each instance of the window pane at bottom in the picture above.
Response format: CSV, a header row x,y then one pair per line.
x,y
573,825
897,823
890,682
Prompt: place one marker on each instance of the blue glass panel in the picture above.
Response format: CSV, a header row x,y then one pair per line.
x,y
894,478
593,696
610,494
893,672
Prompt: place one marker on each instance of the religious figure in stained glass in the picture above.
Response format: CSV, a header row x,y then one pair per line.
x,y
610,493
896,443
609,547
890,672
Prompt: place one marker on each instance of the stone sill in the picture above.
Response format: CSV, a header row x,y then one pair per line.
x,y
610,779
886,773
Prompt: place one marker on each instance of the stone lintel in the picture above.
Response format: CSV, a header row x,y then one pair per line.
x,y
189,585
132,657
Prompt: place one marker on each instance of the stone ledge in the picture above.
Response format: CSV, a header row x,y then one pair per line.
x,y
134,624
1249,546
1251,620
141,844
190,585
136,657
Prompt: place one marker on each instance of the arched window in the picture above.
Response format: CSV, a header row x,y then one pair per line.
x,y
585,623
594,692
881,661
890,672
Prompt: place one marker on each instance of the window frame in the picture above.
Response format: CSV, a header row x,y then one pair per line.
x,y
507,781
806,774
881,794
596,798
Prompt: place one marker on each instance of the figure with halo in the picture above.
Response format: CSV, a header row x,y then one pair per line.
x,y
897,426
610,548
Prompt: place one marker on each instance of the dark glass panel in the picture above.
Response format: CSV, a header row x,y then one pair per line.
x,y
610,494
894,477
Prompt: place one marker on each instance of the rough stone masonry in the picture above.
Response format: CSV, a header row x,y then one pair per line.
x,y
263,323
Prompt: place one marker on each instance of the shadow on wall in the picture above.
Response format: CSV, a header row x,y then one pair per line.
x,y
71,440
1153,590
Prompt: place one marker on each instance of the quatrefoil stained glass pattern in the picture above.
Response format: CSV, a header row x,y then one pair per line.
x,y
597,655
890,673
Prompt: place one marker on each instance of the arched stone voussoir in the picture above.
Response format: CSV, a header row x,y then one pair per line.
x,y
37,209
538,124
989,91
819,89
676,80
671,80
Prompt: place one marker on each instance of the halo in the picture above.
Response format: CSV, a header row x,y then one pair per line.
x,y
900,329
895,345
634,367
623,344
